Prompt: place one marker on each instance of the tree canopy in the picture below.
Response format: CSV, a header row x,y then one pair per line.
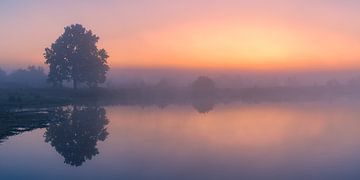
x,y
74,56
203,86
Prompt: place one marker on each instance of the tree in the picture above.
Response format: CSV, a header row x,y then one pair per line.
x,y
203,87
74,56
203,94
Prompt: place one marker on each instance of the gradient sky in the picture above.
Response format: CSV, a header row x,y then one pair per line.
x,y
252,34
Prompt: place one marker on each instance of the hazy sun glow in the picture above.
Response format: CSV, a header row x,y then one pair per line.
x,y
202,34
238,46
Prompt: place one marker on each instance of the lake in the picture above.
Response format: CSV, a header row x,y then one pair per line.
x,y
302,140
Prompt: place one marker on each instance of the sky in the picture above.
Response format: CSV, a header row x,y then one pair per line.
x,y
215,34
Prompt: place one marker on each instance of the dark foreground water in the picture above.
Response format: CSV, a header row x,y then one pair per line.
x,y
233,141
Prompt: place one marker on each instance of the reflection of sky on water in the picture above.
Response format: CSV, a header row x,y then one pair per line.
x,y
313,140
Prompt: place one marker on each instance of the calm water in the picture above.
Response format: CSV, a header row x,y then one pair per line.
x,y
233,141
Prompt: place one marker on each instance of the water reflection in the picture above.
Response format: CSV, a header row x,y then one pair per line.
x,y
74,132
234,141
15,122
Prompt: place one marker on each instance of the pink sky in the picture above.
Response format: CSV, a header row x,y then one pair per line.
x,y
279,34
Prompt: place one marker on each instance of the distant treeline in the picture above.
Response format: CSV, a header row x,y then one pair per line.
x,y
31,76
29,88
202,95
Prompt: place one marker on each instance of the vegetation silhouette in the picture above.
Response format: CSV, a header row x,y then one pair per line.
x,y
31,76
203,87
74,56
203,94
74,132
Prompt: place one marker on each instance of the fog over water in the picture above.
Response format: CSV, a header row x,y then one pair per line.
x,y
231,141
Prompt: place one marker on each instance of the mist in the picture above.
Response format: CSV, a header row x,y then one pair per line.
x,y
159,89
231,79
35,76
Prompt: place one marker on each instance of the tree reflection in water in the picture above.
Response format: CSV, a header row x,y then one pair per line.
x,y
74,132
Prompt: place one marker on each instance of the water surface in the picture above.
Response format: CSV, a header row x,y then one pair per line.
x,y
317,140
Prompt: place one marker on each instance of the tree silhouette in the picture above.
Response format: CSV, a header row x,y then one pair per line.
x,y
203,87
74,132
203,94
75,57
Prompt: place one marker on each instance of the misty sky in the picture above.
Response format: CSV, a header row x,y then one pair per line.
x,y
253,34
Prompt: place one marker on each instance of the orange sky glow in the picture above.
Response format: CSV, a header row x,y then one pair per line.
x,y
205,34
244,46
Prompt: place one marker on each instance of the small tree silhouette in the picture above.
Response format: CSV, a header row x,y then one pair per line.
x,y
203,87
203,94
75,57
